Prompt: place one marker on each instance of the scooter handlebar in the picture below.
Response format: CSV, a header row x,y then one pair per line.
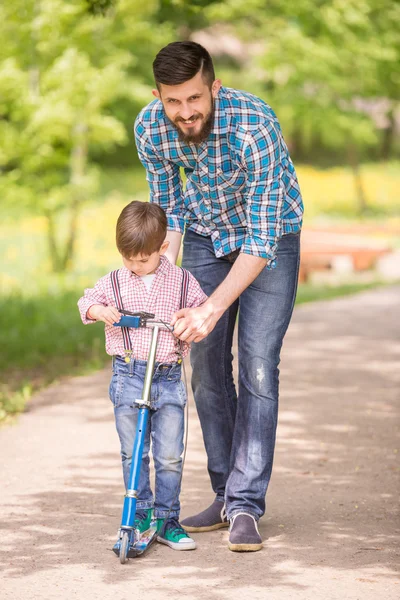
x,y
136,321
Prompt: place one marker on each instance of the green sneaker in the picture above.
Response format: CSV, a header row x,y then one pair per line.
x,y
143,519
173,535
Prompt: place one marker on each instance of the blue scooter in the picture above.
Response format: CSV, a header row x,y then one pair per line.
x,y
131,542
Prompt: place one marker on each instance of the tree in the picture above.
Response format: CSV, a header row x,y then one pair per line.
x,y
61,71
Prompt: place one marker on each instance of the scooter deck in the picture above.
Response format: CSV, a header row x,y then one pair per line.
x,y
141,545
144,541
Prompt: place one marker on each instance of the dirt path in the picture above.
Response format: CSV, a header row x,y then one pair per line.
x,y
331,526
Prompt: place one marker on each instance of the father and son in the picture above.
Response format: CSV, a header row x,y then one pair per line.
x,y
240,217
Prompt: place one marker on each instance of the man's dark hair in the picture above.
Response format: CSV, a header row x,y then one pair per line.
x,y
141,229
180,61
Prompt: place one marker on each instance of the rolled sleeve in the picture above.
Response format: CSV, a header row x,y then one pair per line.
x,y
264,194
163,177
257,246
91,297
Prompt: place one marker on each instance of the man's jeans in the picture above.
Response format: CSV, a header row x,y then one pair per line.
x,y
239,429
165,428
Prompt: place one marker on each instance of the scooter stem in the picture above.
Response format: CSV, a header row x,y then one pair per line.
x,y
129,508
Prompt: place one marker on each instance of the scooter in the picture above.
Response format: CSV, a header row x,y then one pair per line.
x,y
131,542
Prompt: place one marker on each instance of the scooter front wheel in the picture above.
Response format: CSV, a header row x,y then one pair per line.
x,y
123,552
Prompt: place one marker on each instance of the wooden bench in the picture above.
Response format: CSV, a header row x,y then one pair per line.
x,y
320,249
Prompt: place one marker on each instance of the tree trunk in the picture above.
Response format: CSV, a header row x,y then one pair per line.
x,y
62,255
355,165
78,164
69,250
52,243
388,136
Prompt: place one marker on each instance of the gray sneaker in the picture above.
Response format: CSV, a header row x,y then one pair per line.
x,y
243,534
211,518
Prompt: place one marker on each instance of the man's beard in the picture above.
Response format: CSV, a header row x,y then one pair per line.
x,y
202,135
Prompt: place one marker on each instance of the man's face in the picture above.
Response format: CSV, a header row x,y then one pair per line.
x,y
190,107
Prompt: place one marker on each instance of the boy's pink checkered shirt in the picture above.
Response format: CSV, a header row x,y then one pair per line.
x,y
163,300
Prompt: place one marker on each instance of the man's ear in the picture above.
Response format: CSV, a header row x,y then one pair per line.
x,y
164,247
216,86
156,93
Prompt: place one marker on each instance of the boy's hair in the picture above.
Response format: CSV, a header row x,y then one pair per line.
x,y
141,229
180,61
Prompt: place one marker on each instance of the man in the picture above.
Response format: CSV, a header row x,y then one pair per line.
x,y
241,213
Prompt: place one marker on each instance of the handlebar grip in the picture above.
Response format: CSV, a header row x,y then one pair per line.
x,y
128,321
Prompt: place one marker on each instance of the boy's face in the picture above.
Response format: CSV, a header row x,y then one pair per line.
x,y
143,264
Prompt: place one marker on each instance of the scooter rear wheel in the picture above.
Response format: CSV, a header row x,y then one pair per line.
x,y
123,553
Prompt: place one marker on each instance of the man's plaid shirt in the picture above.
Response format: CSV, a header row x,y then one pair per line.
x,y
241,189
163,300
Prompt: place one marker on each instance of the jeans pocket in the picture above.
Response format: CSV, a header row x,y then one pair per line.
x,y
116,389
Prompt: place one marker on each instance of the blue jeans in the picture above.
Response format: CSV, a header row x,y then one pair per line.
x,y
239,428
165,429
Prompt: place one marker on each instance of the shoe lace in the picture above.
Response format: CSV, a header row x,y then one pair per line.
x,y
141,515
174,527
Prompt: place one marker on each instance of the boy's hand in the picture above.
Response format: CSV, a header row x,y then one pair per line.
x,y
108,314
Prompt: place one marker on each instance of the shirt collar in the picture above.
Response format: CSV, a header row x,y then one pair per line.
x,y
164,266
220,117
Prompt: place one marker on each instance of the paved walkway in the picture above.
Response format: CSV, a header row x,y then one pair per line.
x,y
331,526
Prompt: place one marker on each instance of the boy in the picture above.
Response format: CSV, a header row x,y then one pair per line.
x,y
147,282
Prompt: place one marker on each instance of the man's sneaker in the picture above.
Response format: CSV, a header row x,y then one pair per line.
x,y
143,519
173,535
211,518
243,534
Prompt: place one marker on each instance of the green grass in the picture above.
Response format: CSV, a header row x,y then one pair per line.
x,y
41,339
311,293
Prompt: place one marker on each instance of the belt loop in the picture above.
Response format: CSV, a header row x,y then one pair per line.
x,y
131,371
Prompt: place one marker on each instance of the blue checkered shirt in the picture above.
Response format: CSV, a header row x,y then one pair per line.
x,y
241,187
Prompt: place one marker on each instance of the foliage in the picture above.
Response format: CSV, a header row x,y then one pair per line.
x,y
73,76
316,61
14,402
62,70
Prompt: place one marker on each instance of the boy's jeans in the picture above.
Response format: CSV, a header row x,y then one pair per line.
x,y
165,428
239,430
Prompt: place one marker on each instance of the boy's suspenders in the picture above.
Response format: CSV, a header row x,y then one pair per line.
x,y
119,304
184,294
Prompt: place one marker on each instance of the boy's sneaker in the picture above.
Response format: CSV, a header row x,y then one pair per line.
x,y
173,535
143,519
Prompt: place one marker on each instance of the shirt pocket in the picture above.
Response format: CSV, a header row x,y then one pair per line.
x,y
231,181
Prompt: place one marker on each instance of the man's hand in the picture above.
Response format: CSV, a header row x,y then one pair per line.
x,y
194,324
108,314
